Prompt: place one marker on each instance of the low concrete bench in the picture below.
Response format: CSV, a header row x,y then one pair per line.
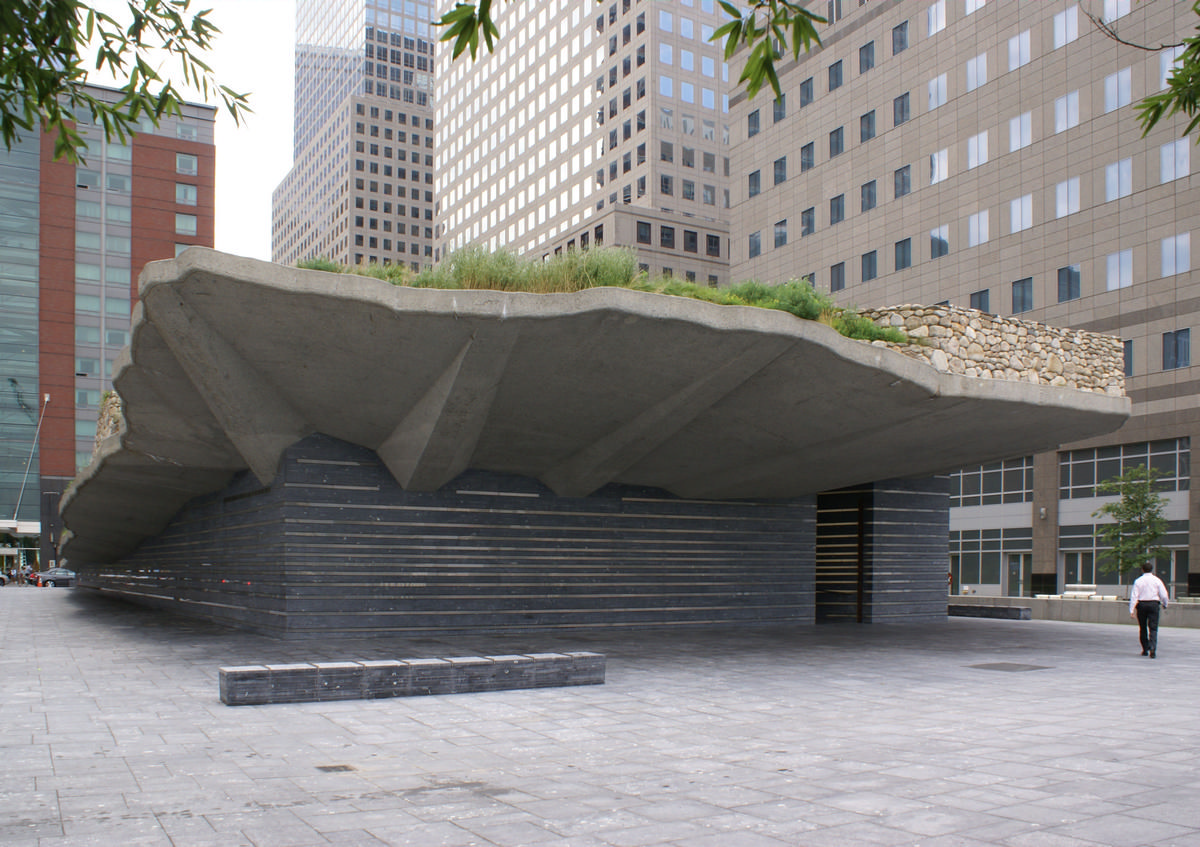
x,y
1011,613
253,685
1079,592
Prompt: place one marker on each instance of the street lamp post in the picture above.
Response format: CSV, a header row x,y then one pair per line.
x,y
29,461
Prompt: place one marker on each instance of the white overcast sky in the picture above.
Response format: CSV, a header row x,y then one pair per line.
x,y
253,53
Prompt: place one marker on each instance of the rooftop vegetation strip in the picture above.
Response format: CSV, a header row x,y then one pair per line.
x,y
614,267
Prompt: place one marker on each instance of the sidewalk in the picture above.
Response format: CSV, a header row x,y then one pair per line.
x,y
830,735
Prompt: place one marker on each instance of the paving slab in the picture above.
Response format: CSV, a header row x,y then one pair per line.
x,y
892,735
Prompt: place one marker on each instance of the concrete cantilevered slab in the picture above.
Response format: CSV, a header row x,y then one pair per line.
x,y
232,360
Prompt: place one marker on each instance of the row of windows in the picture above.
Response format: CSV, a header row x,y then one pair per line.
x,y
690,242
375,113
1009,481
1082,471
373,243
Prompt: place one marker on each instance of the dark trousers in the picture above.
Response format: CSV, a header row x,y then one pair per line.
x,y
1147,615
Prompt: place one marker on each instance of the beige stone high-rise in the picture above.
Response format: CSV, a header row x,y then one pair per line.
x,y
988,154
361,189
590,124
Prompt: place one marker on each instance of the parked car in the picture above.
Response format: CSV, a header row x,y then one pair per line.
x,y
55,577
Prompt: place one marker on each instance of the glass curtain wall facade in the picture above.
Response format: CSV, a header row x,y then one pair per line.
x,y
20,397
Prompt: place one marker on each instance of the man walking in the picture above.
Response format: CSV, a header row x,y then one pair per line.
x,y
1146,600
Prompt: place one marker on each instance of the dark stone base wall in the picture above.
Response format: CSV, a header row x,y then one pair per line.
x,y
335,546
881,552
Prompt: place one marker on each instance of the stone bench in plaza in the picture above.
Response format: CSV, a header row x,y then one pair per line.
x,y
253,685
1011,613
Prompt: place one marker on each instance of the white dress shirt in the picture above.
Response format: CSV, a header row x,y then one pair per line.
x,y
1147,587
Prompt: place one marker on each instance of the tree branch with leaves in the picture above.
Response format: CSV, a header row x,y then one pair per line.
x,y
47,48
1137,520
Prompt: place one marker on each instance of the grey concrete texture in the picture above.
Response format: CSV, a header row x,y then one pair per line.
x,y
964,732
232,360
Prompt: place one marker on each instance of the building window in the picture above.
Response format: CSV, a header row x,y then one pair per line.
x,y
1018,50
1066,112
755,245
1177,349
807,157
185,224
903,254
806,92
712,245
937,91
1020,132
752,124
866,57
868,196
836,142
939,166
1066,27
1009,481
1127,350
691,241
1021,213
974,5
870,268
976,72
1118,180
1068,283
1176,254
866,127
1120,270
900,38
901,111
185,195
903,180
977,228
837,277
779,108
977,150
837,209
1066,197
666,184
754,182
643,232
1022,295
1174,160
666,237
780,233
939,241
1117,89
980,300
781,170
808,221
186,163
935,17
835,75
1114,9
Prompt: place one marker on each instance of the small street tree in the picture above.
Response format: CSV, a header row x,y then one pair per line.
x,y
1137,521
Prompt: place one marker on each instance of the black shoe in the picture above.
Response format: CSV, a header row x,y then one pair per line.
x,y
1152,656
1145,652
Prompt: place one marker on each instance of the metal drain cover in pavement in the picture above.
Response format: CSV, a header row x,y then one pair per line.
x,y
1009,666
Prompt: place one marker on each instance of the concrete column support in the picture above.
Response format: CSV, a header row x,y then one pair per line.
x,y
255,416
605,459
435,441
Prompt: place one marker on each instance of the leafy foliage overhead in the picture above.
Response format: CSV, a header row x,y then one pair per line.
x,y
1137,520
47,48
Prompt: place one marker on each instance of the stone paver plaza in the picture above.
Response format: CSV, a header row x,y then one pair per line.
x,y
828,735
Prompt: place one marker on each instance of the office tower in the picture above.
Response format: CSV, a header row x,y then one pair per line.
x,y
590,125
361,185
73,239
987,154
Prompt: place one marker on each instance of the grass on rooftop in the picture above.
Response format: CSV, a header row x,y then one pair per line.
x,y
614,267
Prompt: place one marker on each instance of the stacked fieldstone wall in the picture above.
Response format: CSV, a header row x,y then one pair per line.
x,y
975,344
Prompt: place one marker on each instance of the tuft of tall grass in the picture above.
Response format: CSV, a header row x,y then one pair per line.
x,y
615,267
